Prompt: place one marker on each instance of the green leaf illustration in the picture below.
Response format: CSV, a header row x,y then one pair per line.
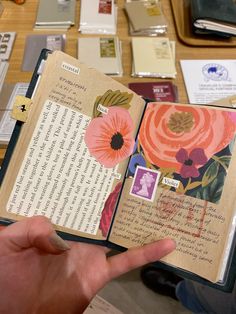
x,y
180,188
224,161
231,145
112,98
210,173
213,191
193,185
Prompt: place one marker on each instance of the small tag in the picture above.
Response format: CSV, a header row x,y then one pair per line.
x,y
107,48
21,108
68,67
152,9
162,49
54,42
170,182
102,109
105,6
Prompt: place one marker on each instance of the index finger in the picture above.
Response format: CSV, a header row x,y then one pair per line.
x,y
136,257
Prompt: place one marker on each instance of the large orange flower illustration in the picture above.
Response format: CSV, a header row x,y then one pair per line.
x,y
166,128
110,138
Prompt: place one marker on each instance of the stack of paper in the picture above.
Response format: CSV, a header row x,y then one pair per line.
x,y
145,18
6,44
98,17
7,98
103,54
55,14
3,71
153,57
35,43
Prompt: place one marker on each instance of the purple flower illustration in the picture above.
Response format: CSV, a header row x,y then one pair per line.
x,y
136,160
190,161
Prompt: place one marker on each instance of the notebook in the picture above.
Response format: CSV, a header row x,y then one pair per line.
x,y
35,43
98,17
55,13
101,53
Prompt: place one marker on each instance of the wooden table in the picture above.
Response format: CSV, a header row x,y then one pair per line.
x,y
21,18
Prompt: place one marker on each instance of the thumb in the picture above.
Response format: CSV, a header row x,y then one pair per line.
x,y
31,232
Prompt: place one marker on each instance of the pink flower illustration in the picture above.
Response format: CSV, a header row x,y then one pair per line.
x,y
110,138
108,210
166,128
233,116
190,161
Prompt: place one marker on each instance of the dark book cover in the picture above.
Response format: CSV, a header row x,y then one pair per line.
x,y
158,91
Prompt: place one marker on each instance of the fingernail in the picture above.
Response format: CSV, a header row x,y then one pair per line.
x,y
58,242
174,243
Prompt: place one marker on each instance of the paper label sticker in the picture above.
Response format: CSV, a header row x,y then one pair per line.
x,y
170,182
152,9
21,108
162,49
54,42
107,48
105,6
162,92
70,68
102,109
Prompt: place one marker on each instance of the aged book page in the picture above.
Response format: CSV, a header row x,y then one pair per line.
x,y
179,185
53,172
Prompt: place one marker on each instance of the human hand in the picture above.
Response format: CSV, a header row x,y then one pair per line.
x,y
41,273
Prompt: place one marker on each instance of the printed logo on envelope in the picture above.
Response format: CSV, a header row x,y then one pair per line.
x,y
215,72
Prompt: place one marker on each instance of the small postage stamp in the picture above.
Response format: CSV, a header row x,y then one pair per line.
x,y
145,183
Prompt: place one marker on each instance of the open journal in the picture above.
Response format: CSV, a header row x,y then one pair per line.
x,y
106,166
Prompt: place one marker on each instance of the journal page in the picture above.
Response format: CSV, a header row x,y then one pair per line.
x,y
73,150
180,185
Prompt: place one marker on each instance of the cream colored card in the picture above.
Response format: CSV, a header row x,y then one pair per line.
x,y
153,57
